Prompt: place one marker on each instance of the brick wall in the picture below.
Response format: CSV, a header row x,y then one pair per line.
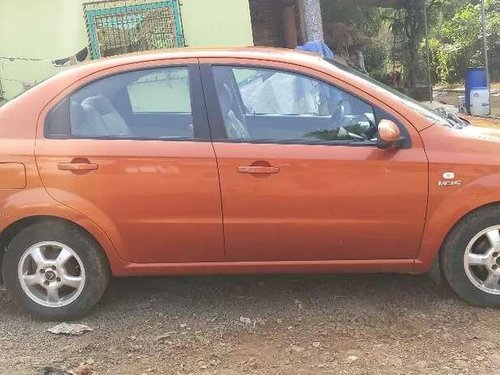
x,y
265,23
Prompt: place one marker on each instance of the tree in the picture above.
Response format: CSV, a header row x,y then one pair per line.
x,y
350,28
457,42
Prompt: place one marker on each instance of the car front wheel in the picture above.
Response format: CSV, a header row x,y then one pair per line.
x,y
471,258
55,271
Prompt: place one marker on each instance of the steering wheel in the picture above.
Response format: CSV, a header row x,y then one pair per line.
x,y
357,131
372,130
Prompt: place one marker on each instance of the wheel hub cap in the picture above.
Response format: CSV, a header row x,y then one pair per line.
x,y
50,275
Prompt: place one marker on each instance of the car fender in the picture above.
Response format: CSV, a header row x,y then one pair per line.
x,y
448,204
34,202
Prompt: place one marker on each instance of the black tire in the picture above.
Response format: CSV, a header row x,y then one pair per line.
x,y
90,253
453,251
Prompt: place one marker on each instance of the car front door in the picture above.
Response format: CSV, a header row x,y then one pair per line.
x,y
301,176
131,150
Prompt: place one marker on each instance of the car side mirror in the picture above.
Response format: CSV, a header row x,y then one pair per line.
x,y
389,135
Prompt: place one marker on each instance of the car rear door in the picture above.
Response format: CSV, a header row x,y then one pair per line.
x,y
131,150
301,175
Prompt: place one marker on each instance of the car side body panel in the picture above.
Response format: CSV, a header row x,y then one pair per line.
x,y
328,202
475,165
22,119
119,194
159,201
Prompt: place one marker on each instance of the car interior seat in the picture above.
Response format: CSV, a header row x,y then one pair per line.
x,y
234,120
103,114
85,121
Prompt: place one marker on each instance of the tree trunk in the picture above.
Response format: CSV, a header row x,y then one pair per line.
x,y
414,29
313,22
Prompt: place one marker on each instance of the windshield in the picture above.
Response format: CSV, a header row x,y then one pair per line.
x,y
428,113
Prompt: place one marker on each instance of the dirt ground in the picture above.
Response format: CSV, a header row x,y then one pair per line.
x,y
338,324
450,94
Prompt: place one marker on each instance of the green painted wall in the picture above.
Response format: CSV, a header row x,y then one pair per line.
x,y
34,32
217,22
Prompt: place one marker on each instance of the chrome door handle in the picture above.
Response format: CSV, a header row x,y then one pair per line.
x,y
258,169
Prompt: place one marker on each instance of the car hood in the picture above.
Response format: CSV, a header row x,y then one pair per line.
x,y
482,121
486,129
473,144
482,133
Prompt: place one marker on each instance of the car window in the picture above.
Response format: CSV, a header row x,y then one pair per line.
x,y
165,90
144,104
272,105
376,86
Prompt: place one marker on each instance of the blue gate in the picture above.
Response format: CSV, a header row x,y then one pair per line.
x,y
135,25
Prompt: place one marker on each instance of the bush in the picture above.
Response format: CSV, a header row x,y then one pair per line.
x,y
460,43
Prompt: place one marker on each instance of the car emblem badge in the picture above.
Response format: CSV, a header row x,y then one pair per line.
x,y
449,180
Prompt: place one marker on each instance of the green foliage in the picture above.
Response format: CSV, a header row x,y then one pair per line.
x,y
457,43
455,31
371,26
367,20
377,55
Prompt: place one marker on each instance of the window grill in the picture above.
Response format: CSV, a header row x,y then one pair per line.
x,y
116,27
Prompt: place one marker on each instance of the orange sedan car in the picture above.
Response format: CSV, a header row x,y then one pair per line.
x,y
237,161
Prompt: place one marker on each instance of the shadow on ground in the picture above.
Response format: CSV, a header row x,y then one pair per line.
x,y
264,324
263,296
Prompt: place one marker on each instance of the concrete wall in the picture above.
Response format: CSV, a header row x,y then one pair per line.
x,y
34,32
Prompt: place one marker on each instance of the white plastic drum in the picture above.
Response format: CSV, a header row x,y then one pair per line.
x,y
479,102
461,104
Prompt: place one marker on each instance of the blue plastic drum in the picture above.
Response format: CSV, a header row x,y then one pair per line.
x,y
475,78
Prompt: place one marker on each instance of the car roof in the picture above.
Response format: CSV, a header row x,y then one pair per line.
x,y
58,83
256,53
265,53
80,70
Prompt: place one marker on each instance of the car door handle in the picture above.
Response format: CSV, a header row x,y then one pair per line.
x,y
77,166
258,169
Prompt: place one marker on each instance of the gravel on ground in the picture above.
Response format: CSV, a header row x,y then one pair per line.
x,y
314,324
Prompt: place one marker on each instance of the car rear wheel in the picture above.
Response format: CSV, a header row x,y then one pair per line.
x,y
55,271
471,258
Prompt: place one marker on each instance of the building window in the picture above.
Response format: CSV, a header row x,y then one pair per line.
x,y
116,27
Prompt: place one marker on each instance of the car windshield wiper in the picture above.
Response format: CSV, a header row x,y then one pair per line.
x,y
454,120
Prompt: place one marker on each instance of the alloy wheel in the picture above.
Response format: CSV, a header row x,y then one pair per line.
x,y
51,274
482,260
